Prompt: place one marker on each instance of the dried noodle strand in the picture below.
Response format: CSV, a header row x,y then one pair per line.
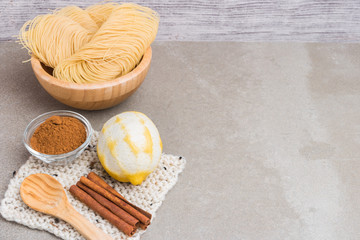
x,y
93,45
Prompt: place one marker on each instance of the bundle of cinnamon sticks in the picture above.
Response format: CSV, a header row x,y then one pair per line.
x,y
109,204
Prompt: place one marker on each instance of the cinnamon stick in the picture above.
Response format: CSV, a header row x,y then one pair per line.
x,y
143,226
99,181
102,211
109,205
121,203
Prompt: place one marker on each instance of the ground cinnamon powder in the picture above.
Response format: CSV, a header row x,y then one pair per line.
x,y
58,135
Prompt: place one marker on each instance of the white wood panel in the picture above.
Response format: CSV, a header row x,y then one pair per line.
x,y
200,20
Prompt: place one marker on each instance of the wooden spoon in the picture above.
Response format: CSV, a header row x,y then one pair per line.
x,y
45,194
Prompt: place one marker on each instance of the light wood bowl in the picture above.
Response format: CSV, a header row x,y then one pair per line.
x,y
92,96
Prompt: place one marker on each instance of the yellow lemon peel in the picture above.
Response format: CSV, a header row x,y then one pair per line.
x,y
132,149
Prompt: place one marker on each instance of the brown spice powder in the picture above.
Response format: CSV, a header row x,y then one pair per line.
x,y
58,135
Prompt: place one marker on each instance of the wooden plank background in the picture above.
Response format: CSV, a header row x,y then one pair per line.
x,y
229,20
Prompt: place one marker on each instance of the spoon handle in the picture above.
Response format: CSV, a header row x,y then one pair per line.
x,y
85,228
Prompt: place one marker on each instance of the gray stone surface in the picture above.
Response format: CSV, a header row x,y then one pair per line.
x,y
271,133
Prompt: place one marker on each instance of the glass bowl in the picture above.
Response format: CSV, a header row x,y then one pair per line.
x,y
59,159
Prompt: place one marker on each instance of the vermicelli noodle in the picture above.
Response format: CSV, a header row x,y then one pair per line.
x,y
97,44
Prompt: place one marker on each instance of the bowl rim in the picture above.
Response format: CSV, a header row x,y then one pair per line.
x,y
56,157
39,70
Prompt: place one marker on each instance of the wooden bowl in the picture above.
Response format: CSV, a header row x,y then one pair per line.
x,y
92,96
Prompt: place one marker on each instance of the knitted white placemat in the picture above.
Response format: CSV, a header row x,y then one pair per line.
x,y
148,196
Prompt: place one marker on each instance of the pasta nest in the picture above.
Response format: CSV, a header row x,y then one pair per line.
x,y
96,44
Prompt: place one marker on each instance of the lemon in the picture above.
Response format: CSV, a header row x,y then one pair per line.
x,y
129,147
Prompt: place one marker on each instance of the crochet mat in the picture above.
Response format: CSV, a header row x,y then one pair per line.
x,y
149,195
